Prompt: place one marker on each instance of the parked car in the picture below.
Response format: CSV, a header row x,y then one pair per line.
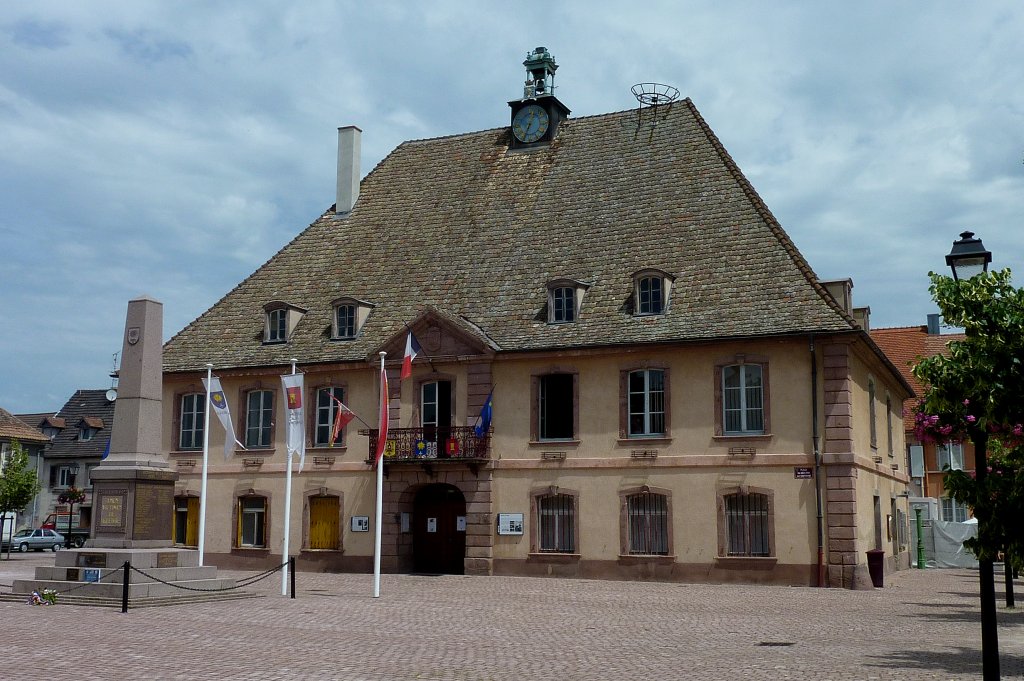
x,y
40,539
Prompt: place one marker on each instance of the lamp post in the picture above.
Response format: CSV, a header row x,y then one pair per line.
x,y
967,259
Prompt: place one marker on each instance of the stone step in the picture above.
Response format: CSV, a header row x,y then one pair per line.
x,y
146,602
112,589
116,574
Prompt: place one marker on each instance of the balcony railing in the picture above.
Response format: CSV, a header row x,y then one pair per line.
x,y
457,443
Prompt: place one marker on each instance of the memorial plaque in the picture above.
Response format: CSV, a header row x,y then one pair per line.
x,y
71,575
154,509
165,560
112,510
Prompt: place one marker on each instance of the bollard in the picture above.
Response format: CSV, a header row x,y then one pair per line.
x,y
291,573
920,540
124,586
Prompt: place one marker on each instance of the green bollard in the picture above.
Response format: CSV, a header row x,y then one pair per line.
x,y
920,540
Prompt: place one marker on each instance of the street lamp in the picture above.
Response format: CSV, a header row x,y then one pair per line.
x,y
968,259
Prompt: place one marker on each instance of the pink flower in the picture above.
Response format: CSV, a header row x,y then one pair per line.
x,y
971,419
966,402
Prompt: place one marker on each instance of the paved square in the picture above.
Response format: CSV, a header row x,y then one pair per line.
x,y
922,625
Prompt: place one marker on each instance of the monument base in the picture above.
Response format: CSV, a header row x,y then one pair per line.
x,y
133,507
159,577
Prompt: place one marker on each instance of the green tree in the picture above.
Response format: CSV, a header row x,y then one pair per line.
x,y
18,482
976,393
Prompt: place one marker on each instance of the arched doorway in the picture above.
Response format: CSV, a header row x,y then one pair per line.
x,y
439,530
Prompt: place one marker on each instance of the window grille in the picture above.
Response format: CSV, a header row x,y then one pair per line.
x,y
647,517
747,524
557,520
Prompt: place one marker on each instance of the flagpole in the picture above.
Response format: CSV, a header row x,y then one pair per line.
x,y
380,496
206,463
287,513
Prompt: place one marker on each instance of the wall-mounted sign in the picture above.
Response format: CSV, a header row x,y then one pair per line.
x,y
360,523
431,524
510,523
90,575
460,523
803,472
405,519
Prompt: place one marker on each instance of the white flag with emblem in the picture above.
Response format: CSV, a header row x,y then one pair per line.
x,y
296,441
219,403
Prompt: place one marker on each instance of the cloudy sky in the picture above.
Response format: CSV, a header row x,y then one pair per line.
x,y
172,148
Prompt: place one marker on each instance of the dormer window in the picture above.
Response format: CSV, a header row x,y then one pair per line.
x,y
281,319
349,316
88,427
565,296
651,290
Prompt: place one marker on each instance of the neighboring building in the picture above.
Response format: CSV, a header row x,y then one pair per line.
x,y
926,460
659,351
80,433
32,441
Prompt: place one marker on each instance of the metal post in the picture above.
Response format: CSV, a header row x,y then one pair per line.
x,y
291,572
71,512
920,540
124,586
986,574
1008,579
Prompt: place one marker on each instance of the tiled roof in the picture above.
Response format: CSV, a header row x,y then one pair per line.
x,y
460,225
89,407
904,345
13,428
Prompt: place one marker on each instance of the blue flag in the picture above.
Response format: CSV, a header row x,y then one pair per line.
x,y
483,423
106,452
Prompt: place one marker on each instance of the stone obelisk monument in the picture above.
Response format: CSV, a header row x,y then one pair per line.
x,y
133,487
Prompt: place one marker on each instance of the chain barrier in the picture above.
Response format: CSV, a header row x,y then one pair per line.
x,y
114,571
247,581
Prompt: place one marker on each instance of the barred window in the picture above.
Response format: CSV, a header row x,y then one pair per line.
x,y
190,435
647,523
556,515
746,527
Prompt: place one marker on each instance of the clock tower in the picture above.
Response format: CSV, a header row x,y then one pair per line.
x,y
536,116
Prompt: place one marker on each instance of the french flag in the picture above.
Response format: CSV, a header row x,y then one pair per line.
x,y
412,348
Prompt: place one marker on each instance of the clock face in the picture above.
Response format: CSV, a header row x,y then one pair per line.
x,y
530,123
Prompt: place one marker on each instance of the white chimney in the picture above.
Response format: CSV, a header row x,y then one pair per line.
x,y
349,149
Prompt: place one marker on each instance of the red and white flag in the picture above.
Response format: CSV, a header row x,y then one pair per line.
x,y
342,417
412,348
382,436
296,439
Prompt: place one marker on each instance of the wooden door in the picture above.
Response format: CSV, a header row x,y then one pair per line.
x,y
323,522
439,531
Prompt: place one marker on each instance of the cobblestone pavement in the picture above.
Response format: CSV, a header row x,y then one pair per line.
x,y
922,625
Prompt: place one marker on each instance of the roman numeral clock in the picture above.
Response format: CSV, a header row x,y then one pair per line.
x,y
536,116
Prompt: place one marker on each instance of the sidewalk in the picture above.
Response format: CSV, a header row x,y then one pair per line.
x,y
923,625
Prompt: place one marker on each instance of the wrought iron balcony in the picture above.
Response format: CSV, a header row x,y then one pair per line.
x,y
457,443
